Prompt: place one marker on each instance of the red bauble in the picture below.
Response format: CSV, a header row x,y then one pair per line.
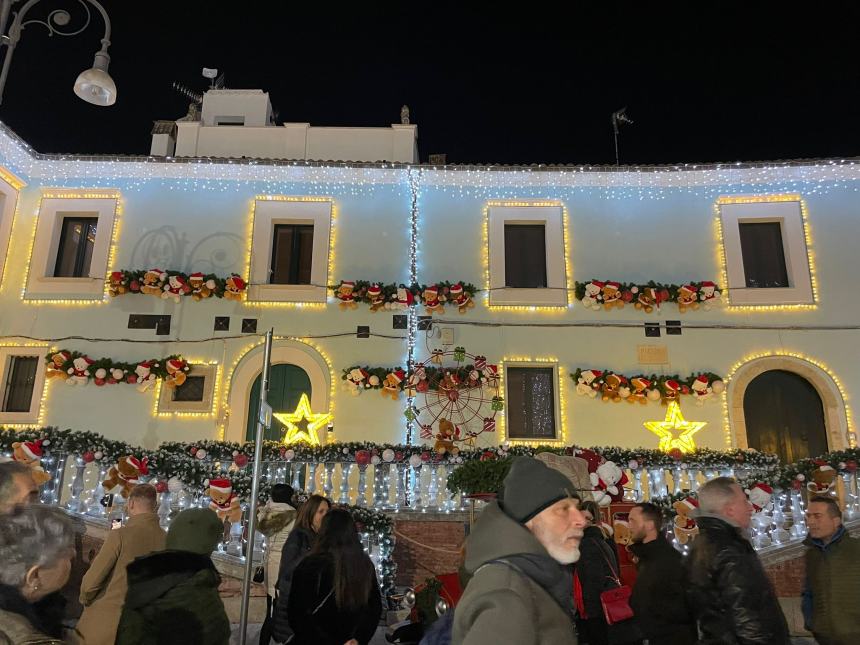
x,y
134,286
283,451
362,457
99,381
88,457
398,456
112,381
193,450
851,466
664,295
627,296
685,389
186,289
425,456
160,487
132,379
241,460
676,454
488,455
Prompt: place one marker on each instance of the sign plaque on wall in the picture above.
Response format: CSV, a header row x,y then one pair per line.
x,y
652,354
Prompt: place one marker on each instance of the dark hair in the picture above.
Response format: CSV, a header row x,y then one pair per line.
x,y
651,512
305,518
145,493
8,471
353,570
832,505
593,508
282,493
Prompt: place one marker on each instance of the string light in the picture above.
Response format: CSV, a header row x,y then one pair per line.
x,y
526,361
15,184
849,417
199,414
40,421
414,177
722,265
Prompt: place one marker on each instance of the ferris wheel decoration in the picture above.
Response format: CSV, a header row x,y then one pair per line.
x,y
456,398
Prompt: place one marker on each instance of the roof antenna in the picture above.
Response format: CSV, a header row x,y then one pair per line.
x,y
191,95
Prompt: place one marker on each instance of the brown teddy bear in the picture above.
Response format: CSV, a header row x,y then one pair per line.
x,y
445,438
234,287
152,281
29,453
623,535
223,500
685,526
823,479
55,367
125,475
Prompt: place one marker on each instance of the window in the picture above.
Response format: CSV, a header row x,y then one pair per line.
x,y
765,253
531,407
525,256
69,257
20,382
75,252
229,120
192,390
194,396
9,186
292,250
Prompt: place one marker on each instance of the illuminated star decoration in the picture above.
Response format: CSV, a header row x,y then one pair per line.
x,y
675,421
302,425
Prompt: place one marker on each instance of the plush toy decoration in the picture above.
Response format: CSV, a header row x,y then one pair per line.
x,y
174,288
461,299
823,479
79,372
760,495
688,298
647,300
588,383
623,535
234,287
404,300
125,475
608,481
448,432
55,368
29,453
152,281
593,298
145,379
345,293
671,390
177,370
640,390
612,295
223,500
702,389
709,295
200,287
612,386
118,283
391,384
685,527
433,300
377,298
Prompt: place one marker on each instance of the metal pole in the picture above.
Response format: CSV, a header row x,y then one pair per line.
x,y
615,131
264,420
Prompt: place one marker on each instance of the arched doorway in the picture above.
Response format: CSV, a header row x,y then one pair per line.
x,y
287,383
784,415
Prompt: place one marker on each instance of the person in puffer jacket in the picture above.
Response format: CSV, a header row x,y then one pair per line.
x,y
275,520
734,601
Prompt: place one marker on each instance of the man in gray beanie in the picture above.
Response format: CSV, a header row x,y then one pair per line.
x,y
520,554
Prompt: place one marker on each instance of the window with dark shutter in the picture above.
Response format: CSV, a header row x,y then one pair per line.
x,y
18,392
530,406
525,256
192,390
763,255
75,251
292,253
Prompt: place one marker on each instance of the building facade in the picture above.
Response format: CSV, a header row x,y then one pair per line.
x,y
757,256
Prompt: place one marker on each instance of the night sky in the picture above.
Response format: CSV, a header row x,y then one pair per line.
x,y
492,86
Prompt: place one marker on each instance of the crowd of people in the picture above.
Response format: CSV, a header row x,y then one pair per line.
x,y
542,569
146,586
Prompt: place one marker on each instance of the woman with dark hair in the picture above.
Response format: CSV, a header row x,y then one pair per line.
x,y
297,546
335,595
275,520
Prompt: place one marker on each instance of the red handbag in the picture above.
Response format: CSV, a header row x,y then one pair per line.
x,y
615,602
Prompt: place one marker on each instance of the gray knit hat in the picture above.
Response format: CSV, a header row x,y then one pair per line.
x,y
195,529
531,486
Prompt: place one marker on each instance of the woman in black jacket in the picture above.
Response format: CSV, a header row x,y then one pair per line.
x,y
297,546
335,595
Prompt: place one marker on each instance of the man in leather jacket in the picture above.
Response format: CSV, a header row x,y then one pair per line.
x,y
729,591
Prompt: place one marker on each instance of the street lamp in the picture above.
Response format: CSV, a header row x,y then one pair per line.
x,y
93,85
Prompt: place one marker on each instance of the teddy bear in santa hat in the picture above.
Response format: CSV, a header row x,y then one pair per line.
x,y
29,453
684,525
702,389
391,385
688,298
377,297
588,383
223,500
79,372
234,287
593,298
125,475
760,495
175,288
433,301
345,292
152,281
612,295
200,287
462,299
144,377
55,367
176,372
709,295
608,481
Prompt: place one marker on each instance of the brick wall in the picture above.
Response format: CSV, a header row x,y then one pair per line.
x,y
416,555
787,577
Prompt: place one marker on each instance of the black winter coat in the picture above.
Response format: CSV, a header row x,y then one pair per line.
x,y
297,546
659,595
729,591
314,615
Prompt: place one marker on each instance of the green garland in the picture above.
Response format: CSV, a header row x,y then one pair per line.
x,y
358,378
608,294
353,292
80,368
155,282
614,386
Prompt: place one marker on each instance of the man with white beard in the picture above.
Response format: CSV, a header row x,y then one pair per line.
x,y
520,554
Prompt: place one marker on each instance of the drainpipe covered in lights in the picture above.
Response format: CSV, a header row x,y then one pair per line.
x,y
93,85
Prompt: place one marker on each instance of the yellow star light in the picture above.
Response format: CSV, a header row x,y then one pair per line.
x,y
302,425
675,421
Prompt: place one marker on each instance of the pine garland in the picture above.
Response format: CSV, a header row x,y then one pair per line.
x,y
175,285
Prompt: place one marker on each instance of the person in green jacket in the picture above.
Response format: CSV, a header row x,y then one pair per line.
x,y
173,594
519,554
830,604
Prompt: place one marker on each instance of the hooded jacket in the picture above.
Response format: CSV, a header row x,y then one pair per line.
x,y
518,593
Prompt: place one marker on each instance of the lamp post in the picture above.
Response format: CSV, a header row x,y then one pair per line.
x,y
93,85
